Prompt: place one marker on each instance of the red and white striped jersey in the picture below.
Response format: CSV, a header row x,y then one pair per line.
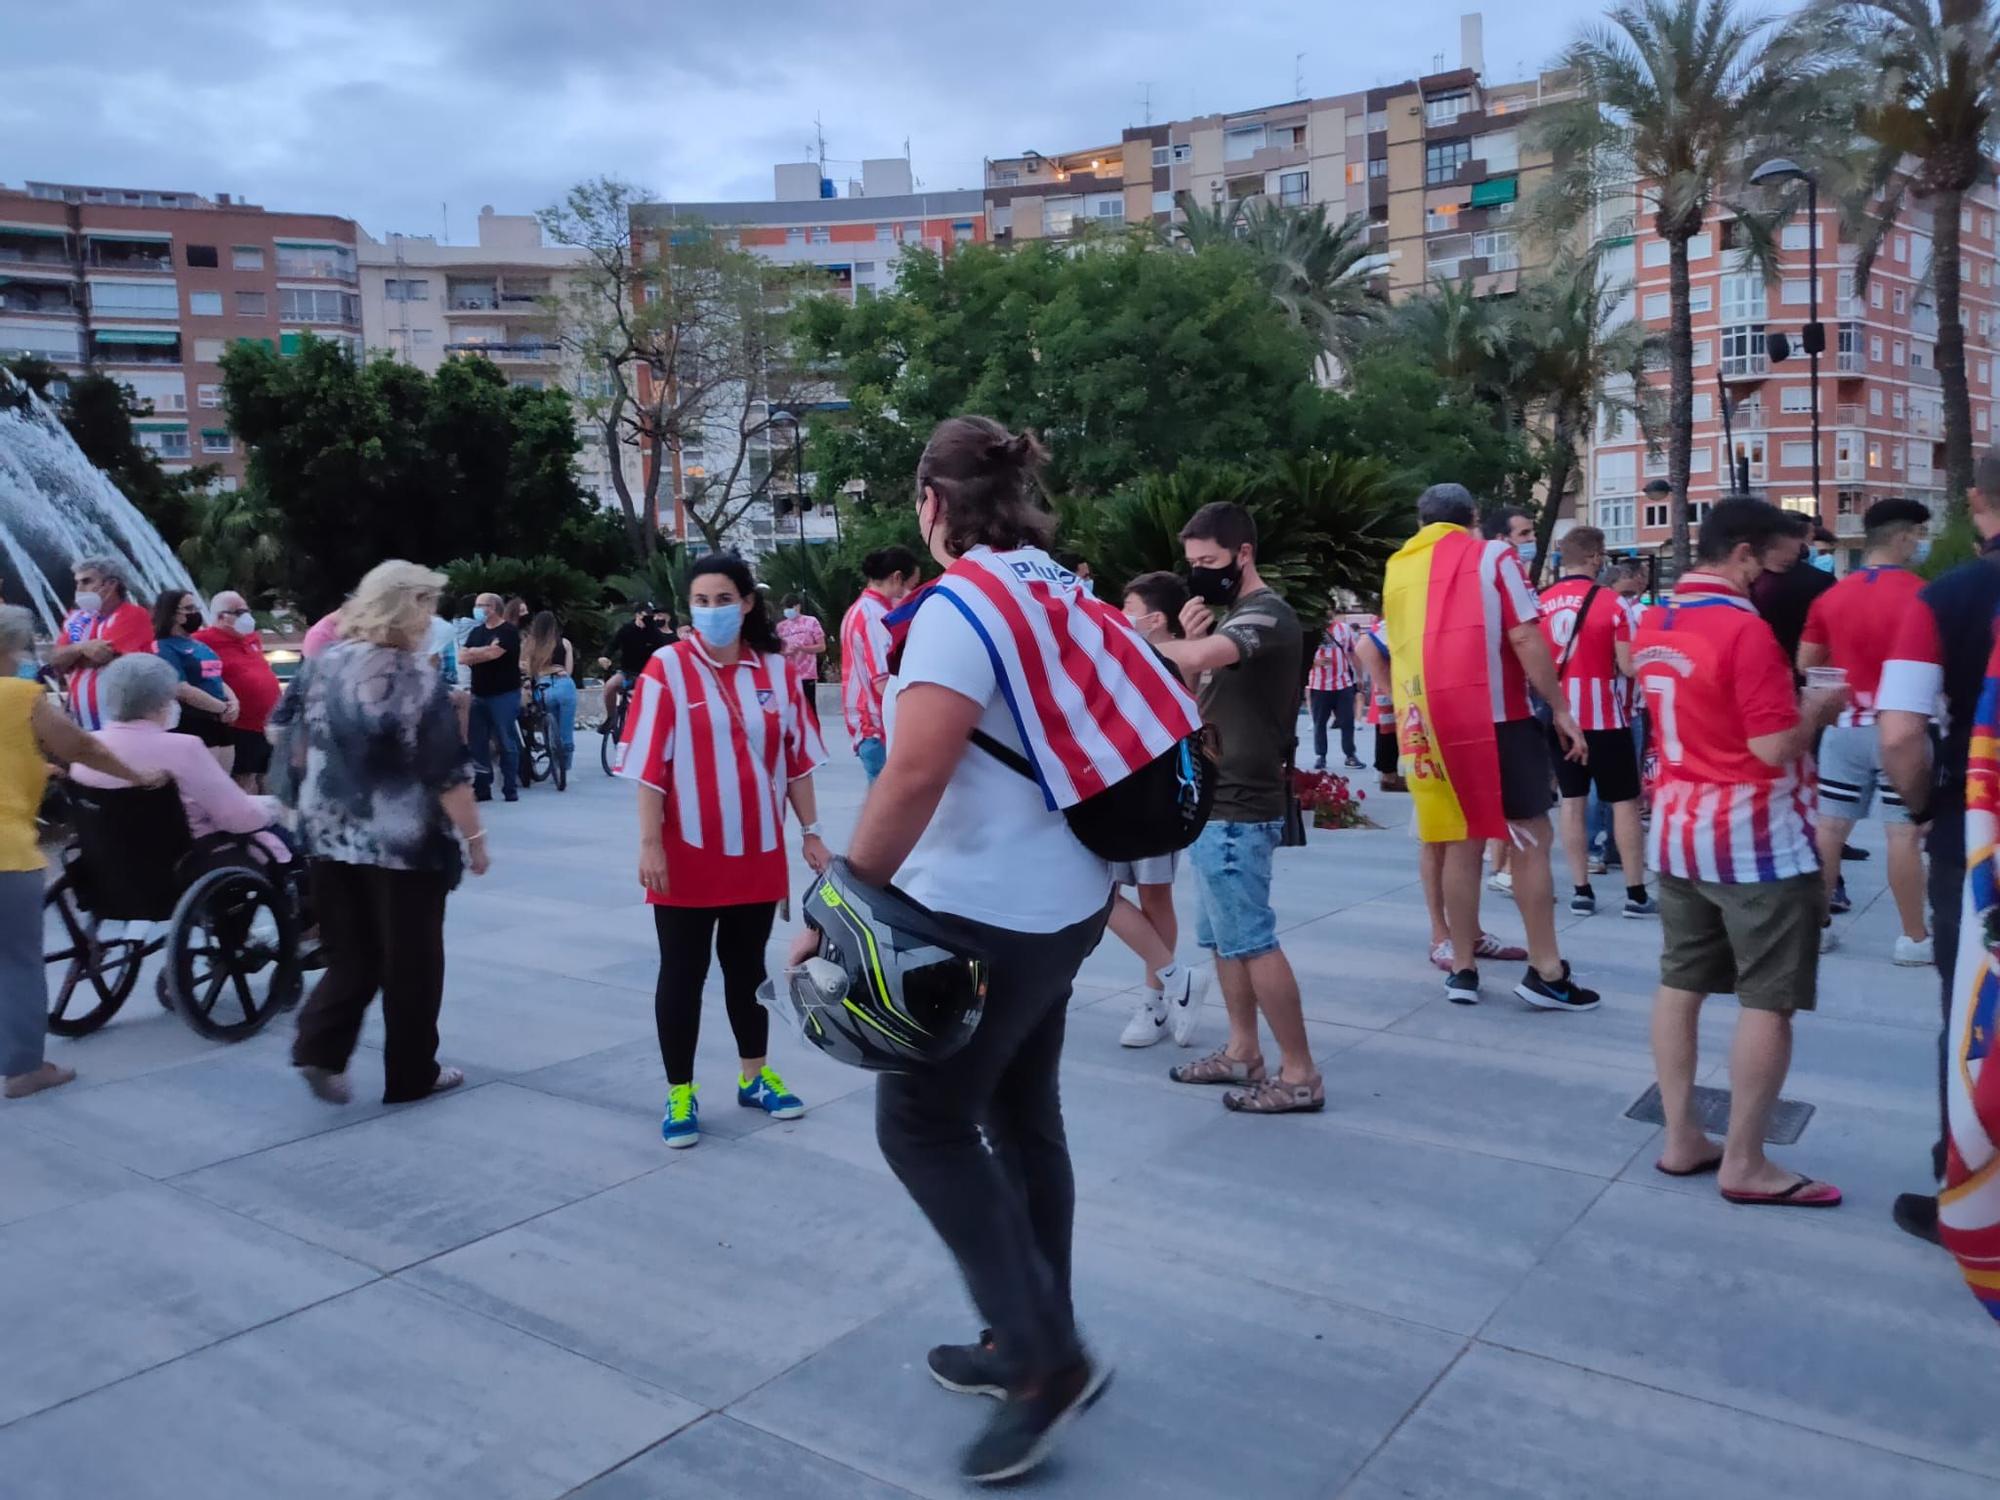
x,y
1094,703
1715,679
721,743
1333,659
128,627
864,665
1508,600
1589,672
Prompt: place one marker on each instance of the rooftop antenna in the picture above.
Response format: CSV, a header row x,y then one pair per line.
x,y
819,142
1146,95
1298,75
444,223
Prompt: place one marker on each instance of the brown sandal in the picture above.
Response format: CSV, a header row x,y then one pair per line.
x,y
1277,1097
1218,1067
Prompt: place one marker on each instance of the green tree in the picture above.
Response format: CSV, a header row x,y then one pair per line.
x,y
1928,73
234,544
1679,97
1425,428
1314,269
1125,359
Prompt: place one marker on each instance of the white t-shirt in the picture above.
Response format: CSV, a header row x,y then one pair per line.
x,y
994,852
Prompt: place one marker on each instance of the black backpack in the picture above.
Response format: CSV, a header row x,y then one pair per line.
x,y
1157,810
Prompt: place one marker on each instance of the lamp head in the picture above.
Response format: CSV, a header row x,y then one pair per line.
x,y
1780,169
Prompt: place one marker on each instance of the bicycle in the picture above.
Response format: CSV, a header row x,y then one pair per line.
x,y
541,758
612,732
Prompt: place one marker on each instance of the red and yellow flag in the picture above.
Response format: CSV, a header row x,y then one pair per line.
x,y
1438,653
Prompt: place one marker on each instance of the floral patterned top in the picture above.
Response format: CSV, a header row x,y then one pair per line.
x,y
368,742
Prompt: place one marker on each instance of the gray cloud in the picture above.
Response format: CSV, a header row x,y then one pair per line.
x,y
390,109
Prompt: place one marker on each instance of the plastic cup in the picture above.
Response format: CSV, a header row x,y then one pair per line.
x,y
1827,678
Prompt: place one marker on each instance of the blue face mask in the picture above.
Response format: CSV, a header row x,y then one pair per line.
x,y
719,624
1922,554
1529,551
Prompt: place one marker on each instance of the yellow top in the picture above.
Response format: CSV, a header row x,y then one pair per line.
x,y
23,774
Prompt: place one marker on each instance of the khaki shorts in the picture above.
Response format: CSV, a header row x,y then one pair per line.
x,y
1759,942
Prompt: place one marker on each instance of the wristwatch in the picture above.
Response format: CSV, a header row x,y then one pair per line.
x,y
809,830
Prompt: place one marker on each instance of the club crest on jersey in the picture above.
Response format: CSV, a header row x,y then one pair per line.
x,y
764,697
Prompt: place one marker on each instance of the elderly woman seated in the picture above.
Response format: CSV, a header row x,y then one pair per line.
x,y
138,696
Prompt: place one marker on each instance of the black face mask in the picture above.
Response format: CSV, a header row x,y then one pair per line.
x,y
1215,586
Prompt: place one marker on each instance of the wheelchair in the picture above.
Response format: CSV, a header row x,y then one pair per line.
x,y
232,918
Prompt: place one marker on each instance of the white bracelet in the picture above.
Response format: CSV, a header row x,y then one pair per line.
x,y
809,830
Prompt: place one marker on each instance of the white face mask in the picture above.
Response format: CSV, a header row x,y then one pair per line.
x,y
90,603
246,624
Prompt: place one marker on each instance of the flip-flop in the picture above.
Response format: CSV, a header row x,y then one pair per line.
x,y
1828,1196
1699,1169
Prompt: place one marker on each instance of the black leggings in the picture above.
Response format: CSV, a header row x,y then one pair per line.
x,y
738,935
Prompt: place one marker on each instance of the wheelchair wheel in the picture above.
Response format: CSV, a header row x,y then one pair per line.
x,y
90,975
233,954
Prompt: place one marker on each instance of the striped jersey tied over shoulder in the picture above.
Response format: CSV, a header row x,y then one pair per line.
x,y
1092,701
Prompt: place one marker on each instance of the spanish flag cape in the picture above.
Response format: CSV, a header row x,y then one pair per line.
x,y
1969,1205
1434,608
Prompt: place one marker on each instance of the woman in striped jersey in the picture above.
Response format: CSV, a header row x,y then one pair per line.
x,y
718,738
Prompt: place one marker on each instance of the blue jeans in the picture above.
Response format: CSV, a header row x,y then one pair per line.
x,y
1232,868
873,754
24,1004
561,695
496,717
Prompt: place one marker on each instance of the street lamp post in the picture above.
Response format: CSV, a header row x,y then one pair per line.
x,y
790,414
1783,169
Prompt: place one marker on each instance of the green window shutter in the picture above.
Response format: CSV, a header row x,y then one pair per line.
x,y
288,344
135,336
1495,190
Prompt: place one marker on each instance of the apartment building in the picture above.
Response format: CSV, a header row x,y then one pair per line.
x,y
495,299
856,241
1881,409
150,286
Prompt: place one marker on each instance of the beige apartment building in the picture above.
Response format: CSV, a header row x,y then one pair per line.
x,y
424,303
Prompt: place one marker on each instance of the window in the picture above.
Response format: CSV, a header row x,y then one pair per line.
x,y
1242,142
1743,350
1496,246
1160,154
246,258
1442,109
170,444
308,305
1965,221
133,299
1875,348
1984,370
1656,463
1701,246
1875,402
205,304
1702,350
1442,161
1378,120
415,289
1700,461
1897,406
1183,151
961,234
1923,356
1441,220
1656,516
1895,456
1793,237
1986,226
1751,446
1901,300
1795,398
1875,294
1743,299
820,235
203,255
208,395
1617,473
335,261
422,338
1985,274
208,351
1357,172
1795,455
1704,408
1901,248
1655,254
1656,304
216,440
1163,200
1701,299
1795,293
1501,150
1378,166
884,233
251,304
1979,419
1897,352
1292,187
1109,208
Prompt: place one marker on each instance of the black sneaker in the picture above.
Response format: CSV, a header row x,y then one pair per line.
x,y
1461,987
969,1369
1838,903
1561,994
1917,1214
1848,851
1024,1429
1320,764
1354,763
1584,903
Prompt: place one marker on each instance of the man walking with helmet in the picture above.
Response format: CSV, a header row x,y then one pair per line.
x,y
993,749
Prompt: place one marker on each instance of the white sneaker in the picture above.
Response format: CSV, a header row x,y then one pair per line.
x,y
1148,1024
1503,882
1915,953
1186,993
1828,939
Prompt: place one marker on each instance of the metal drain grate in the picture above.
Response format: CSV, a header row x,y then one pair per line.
x,y
1789,1117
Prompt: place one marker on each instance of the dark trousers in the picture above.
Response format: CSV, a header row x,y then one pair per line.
x,y
381,930
1385,748
738,935
1339,704
496,731
1947,890
978,1142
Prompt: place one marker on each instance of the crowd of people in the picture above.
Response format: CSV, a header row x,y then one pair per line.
x,y
1718,744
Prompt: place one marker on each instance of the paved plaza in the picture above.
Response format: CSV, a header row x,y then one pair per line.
x,y
1463,1280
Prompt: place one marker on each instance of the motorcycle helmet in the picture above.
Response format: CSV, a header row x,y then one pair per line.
x,y
894,987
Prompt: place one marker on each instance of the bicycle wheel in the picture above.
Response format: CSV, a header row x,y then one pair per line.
x,y
540,760
607,740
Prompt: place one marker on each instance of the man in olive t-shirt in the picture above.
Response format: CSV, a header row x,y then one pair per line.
x,y
1246,672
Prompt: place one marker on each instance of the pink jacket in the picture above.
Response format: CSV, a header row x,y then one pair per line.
x,y
214,803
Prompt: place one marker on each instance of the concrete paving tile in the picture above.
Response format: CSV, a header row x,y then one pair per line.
x,y
1217,1381
433,1176
144,1038
38,1174
1771,1312
1428,1233
1504,1426
709,1279
721,1457
97,1291
384,1393
502,1019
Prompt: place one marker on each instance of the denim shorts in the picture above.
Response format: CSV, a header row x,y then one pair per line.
x,y
1232,870
873,755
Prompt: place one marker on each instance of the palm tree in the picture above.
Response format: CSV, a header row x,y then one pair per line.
x,y
1574,364
1929,74
1467,339
1316,270
1674,95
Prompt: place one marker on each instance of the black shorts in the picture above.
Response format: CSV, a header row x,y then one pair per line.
x,y
1613,766
206,727
1527,788
253,751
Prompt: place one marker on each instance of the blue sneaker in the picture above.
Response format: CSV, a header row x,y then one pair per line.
x,y
682,1125
769,1094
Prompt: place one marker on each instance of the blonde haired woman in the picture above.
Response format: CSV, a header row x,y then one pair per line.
x,y
369,753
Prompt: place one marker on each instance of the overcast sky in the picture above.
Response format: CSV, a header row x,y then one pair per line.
x,y
390,110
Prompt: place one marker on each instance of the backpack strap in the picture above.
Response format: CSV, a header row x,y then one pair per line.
x,y
1012,759
1575,635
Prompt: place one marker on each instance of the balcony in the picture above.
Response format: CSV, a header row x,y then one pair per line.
x,y
1848,526
1850,414
1753,366
1849,362
509,354
57,299
1926,423
20,247
130,255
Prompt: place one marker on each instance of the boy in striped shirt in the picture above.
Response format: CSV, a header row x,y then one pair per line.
x,y
1740,894
1330,689
864,652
